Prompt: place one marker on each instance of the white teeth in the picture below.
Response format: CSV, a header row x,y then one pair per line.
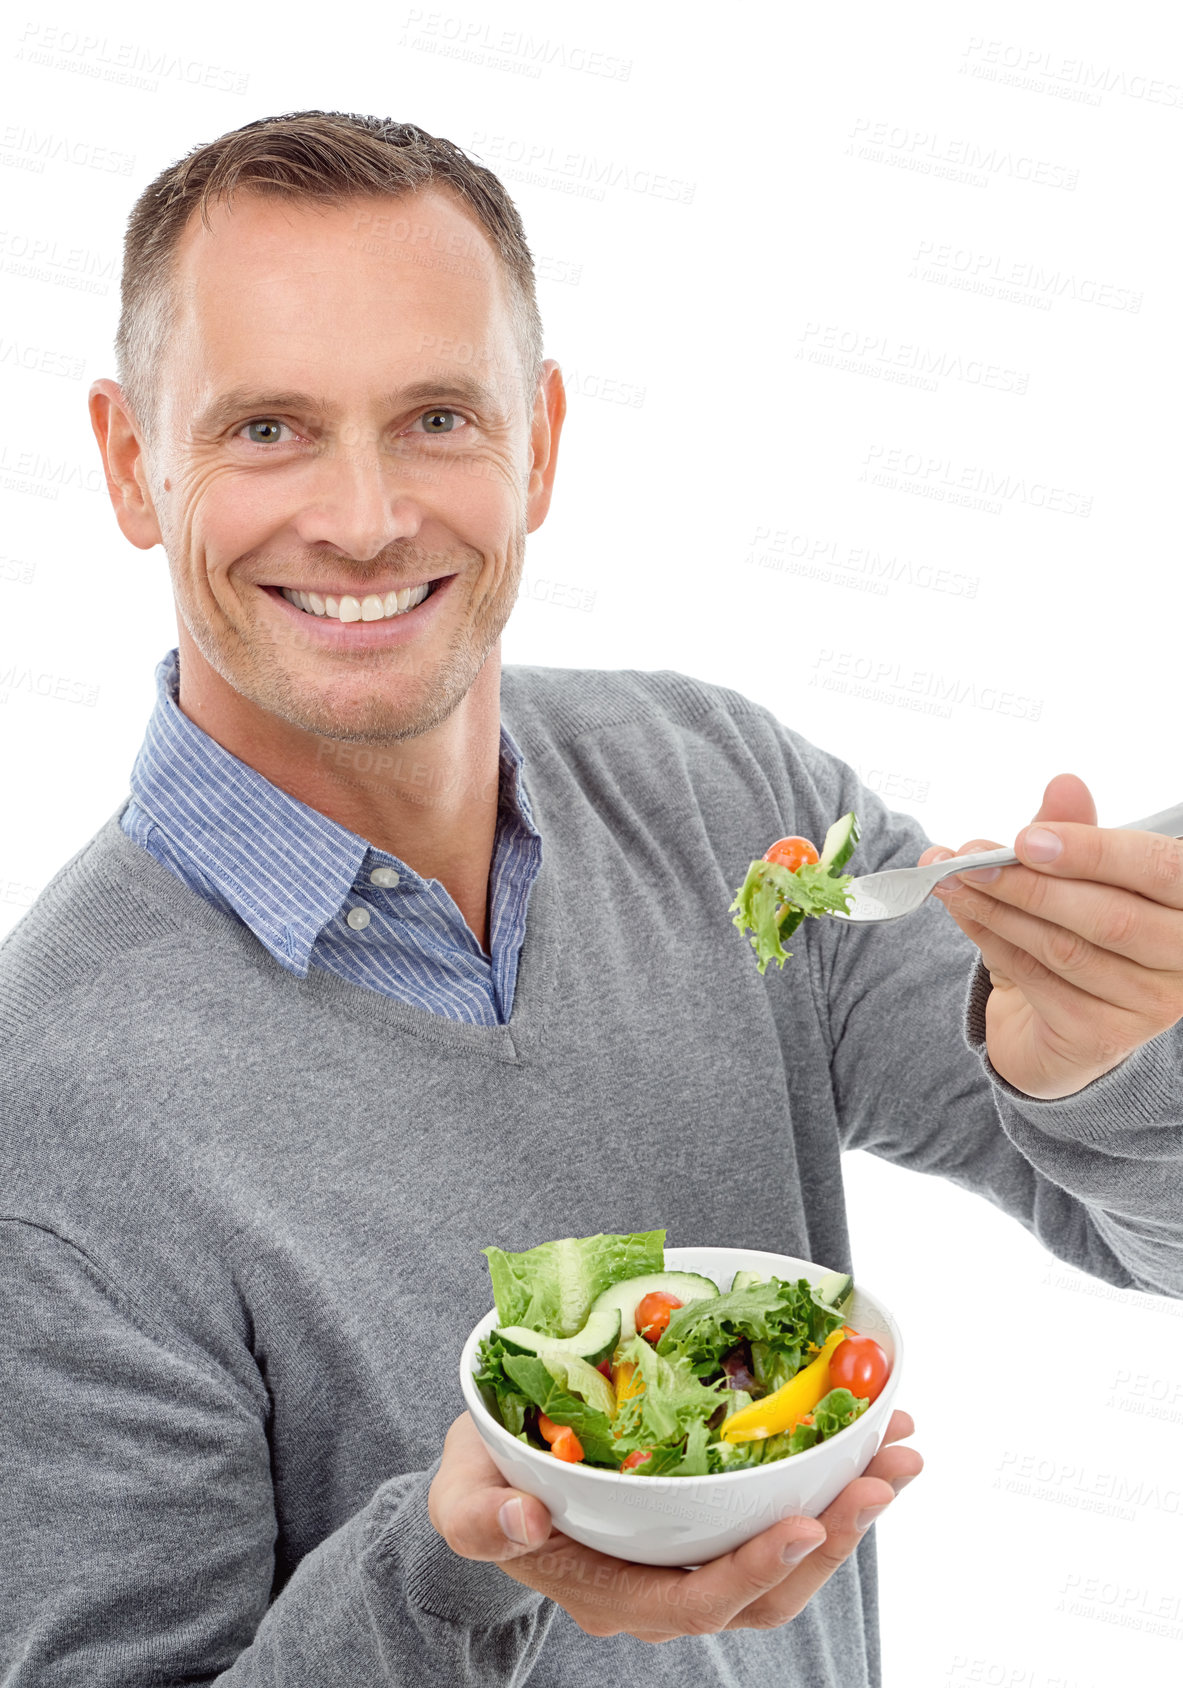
x,y
372,607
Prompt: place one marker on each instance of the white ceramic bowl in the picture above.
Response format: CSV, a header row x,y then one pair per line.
x,y
689,1520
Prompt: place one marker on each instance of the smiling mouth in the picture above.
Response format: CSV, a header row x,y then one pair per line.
x,y
373,606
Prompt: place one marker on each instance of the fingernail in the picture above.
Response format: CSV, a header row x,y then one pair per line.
x,y
799,1550
1039,845
512,1518
980,875
868,1516
899,1483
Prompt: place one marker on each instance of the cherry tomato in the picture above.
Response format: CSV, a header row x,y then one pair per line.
x,y
653,1313
605,1369
635,1459
791,853
860,1365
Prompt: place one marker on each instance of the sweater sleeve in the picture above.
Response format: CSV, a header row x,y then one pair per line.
x,y
139,1523
1097,1177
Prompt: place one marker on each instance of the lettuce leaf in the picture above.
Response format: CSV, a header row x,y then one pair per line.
x,y
593,1428
690,1461
811,891
551,1288
780,1318
503,1399
773,1366
734,1456
671,1403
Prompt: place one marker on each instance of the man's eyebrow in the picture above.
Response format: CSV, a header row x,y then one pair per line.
x,y
449,389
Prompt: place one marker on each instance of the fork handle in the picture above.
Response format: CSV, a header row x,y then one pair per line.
x,y
1169,822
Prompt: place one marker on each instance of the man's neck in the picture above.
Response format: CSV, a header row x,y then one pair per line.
x,y
430,800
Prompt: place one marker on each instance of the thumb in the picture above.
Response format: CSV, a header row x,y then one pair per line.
x,y
472,1507
1067,798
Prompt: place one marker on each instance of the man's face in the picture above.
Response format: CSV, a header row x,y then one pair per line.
x,y
342,413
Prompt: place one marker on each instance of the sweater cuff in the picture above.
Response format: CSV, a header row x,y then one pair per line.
x,y
473,1593
1141,1090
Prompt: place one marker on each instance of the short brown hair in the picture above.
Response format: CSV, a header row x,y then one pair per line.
x,y
303,156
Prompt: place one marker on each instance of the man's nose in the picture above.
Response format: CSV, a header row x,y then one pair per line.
x,y
360,497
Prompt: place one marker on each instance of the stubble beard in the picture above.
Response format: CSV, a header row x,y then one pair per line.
x,y
252,661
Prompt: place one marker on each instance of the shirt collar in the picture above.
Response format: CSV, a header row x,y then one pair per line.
x,y
283,867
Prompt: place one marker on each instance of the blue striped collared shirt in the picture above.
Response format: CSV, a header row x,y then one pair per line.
x,y
293,875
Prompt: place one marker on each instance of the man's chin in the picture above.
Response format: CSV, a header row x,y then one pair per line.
x,y
391,701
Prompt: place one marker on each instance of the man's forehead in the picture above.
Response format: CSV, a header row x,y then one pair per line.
x,y
428,228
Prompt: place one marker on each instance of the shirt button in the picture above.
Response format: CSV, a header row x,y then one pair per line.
x,y
357,918
384,876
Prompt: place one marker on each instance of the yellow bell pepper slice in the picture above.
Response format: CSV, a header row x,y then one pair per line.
x,y
627,1381
788,1405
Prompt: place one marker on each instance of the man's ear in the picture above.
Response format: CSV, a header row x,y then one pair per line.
x,y
124,464
550,407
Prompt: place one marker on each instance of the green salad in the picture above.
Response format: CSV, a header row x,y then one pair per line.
x,y
791,881
602,1356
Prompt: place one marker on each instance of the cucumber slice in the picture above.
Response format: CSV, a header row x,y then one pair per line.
x,y
578,1378
623,1297
838,845
593,1343
835,1288
745,1280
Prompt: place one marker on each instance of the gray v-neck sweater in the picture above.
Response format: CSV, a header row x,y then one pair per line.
x,y
241,1213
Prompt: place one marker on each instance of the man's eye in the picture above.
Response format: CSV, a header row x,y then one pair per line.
x,y
263,431
441,421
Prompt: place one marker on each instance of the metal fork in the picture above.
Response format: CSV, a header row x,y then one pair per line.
x,y
901,890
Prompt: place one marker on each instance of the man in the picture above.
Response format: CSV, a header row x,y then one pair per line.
x,y
391,955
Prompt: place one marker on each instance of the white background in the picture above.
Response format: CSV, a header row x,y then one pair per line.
x,y
810,276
